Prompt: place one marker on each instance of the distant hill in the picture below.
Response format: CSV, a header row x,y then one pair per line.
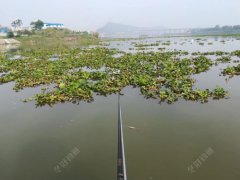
x,y
114,28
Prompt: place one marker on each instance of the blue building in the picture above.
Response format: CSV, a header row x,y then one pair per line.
x,y
53,25
3,31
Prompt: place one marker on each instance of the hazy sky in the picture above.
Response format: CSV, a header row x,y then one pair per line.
x,y
92,14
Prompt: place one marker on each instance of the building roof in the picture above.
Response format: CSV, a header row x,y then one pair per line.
x,y
56,24
4,30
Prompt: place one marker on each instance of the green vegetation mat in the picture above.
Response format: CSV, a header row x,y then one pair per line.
x,y
78,74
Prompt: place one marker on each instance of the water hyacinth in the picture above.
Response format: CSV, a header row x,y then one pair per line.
x,y
235,70
224,59
79,74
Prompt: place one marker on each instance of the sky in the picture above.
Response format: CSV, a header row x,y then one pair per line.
x,y
93,14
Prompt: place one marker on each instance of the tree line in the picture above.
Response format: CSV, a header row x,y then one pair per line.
x,y
218,30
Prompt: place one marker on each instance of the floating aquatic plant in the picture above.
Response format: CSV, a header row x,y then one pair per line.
x,y
202,64
166,43
146,45
78,74
235,70
219,93
236,53
224,59
216,53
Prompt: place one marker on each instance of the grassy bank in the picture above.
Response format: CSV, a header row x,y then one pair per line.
x,y
57,38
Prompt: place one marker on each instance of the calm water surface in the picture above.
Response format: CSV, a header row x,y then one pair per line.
x,y
168,142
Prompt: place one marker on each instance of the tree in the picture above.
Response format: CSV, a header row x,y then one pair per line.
x,y
85,33
95,34
10,34
37,24
236,27
217,27
26,32
17,24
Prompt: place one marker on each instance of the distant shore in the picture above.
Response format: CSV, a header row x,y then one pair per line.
x,y
170,36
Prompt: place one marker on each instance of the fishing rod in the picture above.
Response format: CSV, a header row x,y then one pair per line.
x,y
121,163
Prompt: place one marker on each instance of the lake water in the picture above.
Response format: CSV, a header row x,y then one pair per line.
x,y
182,141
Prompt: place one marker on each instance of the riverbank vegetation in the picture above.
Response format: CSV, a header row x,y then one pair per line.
x,y
57,38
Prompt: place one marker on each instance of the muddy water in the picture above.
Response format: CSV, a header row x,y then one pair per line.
x,y
183,141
